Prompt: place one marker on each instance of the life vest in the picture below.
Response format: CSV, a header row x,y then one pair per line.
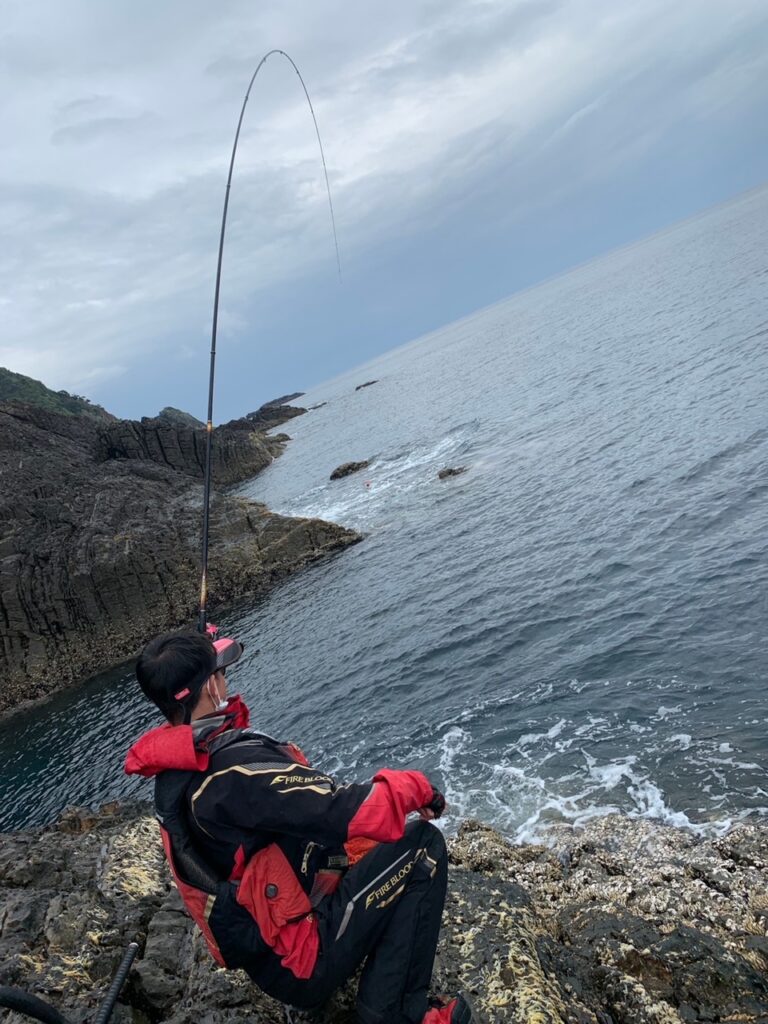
x,y
261,907
197,885
252,886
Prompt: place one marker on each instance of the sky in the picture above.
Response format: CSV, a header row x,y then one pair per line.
x,y
473,149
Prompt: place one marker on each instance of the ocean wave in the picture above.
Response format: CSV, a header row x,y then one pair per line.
x,y
572,769
730,453
364,499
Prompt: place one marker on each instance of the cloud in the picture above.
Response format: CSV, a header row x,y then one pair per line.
x,y
101,129
122,126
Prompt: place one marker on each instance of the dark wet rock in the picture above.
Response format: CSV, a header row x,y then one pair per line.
x,y
451,471
272,414
646,942
266,417
367,384
100,539
276,403
349,467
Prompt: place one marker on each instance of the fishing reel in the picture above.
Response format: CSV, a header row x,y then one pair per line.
x,y
31,1006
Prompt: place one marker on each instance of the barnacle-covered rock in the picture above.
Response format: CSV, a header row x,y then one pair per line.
x,y
623,922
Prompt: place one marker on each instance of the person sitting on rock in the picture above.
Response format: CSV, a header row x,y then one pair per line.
x,y
290,876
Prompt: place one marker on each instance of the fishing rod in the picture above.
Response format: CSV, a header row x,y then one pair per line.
x,y
15,998
202,615
32,1006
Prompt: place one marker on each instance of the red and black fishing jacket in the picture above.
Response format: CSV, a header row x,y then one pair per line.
x,y
255,836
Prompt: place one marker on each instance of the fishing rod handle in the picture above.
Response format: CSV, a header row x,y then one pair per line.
x,y
117,983
24,1002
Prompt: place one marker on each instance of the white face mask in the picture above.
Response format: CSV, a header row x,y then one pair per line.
x,y
220,703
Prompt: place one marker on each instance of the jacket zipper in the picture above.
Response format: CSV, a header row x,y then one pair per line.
x,y
307,854
351,905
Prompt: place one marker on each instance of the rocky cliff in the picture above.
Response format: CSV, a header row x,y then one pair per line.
x,y
236,455
100,533
625,922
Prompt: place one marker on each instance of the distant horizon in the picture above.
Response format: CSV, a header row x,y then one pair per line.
x,y
472,150
355,367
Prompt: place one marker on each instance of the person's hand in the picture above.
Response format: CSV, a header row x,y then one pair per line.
x,y
435,807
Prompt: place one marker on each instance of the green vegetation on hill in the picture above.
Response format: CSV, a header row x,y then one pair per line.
x,y
15,387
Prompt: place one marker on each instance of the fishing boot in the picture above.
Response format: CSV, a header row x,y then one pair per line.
x,y
454,1011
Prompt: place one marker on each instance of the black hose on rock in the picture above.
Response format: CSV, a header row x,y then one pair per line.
x,y
23,1002
117,983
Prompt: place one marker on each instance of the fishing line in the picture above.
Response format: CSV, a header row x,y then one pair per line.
x,y
201,622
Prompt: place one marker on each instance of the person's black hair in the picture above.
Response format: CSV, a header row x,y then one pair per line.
x,y
170,665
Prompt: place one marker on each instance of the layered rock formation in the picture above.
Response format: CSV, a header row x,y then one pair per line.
x,y
626,922
100,536
236,455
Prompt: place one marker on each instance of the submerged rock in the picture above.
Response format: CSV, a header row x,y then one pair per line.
x,y
349,467
451,471
636,930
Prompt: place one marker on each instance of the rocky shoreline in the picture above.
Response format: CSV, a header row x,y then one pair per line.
x,y
100,536
623,922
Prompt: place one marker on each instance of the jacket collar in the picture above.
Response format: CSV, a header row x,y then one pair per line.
x,y
184,747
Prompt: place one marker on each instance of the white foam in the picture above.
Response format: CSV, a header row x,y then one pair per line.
x,y
520,800
538,779
360,500
664,713
608,776
682,739
453,742
651,804
531,738
458,799
426,456
741,765
590,726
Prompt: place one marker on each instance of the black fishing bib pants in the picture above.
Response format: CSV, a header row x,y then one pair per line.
x,y
387,908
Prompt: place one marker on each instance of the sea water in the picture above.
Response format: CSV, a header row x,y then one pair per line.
x,y
575,624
